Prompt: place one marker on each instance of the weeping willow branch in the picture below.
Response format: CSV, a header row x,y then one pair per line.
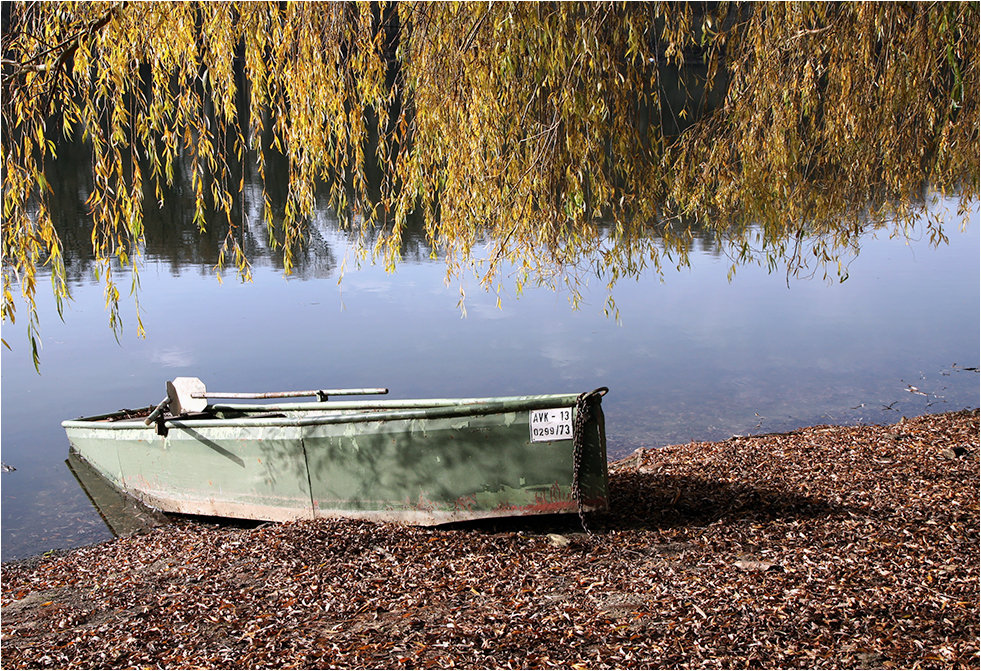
x,y
555,138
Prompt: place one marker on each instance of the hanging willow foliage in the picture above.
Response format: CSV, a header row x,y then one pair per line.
x,y
544,136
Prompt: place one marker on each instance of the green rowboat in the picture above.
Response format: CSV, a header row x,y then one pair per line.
x,y
416,461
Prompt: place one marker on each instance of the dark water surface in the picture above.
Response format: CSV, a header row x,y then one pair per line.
x,y
695,357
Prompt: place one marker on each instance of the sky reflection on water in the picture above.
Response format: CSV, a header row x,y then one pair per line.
x,y
695,357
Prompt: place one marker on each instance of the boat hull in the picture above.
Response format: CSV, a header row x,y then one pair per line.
x,y
414,462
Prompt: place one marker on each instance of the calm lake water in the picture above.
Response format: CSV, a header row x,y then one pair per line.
x,y
695,356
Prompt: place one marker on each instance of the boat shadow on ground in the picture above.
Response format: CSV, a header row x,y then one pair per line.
x,y
650,501
654,501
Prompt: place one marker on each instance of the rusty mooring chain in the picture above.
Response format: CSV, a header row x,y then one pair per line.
x,y
584,413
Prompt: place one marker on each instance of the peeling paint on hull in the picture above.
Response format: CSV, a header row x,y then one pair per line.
x,y
413,462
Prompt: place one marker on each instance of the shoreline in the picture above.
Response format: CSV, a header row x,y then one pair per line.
x,y
149,518
827,546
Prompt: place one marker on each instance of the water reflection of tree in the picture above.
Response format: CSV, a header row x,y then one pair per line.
x,y
172,238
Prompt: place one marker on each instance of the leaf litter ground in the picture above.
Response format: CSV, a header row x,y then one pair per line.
x,y
839,547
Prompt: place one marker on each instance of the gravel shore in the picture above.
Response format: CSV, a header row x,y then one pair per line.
x,y
831,547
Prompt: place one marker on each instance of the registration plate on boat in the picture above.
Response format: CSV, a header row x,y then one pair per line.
x,y
552,424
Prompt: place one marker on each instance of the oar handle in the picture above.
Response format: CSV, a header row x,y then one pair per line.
x,y
159,409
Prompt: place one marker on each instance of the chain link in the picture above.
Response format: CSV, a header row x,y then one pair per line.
x,y
584,413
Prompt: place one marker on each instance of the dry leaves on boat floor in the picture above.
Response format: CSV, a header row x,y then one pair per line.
x,y
825,547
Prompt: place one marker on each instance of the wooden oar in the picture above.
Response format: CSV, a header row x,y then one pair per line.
x,y
321,394
188,394
182,395
179,398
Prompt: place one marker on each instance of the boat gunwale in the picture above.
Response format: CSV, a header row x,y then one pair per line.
x,y
375,411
